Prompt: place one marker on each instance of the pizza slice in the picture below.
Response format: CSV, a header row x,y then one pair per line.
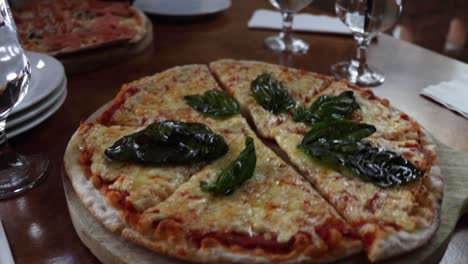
x,y
161,97
274,216
390,123
236,78
117,192
390,221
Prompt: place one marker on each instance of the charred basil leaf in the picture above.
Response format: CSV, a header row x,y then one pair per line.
x,y
168,143
337,144
236,173
271,94
215,104
327,107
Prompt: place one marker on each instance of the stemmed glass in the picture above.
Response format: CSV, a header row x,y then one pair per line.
x,y
17,172
285,41
365,18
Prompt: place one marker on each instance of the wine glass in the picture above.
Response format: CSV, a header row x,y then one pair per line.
x,y
285,41
17,172
365,18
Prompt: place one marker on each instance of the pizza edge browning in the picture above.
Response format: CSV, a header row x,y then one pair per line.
x,y
170,231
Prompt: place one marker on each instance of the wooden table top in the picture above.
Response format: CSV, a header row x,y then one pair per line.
x,y
37,222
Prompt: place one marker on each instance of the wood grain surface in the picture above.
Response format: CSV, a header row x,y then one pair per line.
x,y
38,223
111,248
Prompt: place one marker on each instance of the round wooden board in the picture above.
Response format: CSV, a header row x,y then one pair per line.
x,y
111,248
89,60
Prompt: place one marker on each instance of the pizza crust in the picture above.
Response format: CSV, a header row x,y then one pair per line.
x,y
219,254
402,242
92,199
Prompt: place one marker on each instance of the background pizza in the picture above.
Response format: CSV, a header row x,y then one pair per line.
x,y
61,27
242,202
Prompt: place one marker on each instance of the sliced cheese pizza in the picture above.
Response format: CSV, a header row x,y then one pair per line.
x,y
172,165
66,26
391,220
275,216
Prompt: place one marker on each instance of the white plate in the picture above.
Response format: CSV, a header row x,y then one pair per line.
x,y
37,119
47,74
30,112
182,7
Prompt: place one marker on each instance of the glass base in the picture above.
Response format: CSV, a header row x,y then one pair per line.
x,y
20,173
296,45
364,75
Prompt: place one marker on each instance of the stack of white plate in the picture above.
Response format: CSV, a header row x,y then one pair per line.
x,y
47,92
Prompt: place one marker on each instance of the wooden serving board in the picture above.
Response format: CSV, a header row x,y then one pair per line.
x,y
92,59
111,248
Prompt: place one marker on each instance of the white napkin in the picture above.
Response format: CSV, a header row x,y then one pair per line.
x,y
452,94
302,22
5,252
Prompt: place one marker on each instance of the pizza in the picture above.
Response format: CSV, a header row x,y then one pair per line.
x,y
175,165
63,27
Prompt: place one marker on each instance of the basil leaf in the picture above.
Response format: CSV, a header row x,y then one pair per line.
x,y
215,104
337,131
271,94
383,167
327,107
337,144
167,143
236,173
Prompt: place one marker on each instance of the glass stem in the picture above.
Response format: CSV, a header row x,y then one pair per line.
x,y
286,31
7,155
360,58
3,139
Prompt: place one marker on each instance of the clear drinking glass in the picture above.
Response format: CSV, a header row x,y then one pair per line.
x,y
17,172
366,19
285,41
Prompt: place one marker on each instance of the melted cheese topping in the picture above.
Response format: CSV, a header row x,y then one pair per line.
x,y
275,201
146,185
237,76
358,201
390,124
161,97
364,205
